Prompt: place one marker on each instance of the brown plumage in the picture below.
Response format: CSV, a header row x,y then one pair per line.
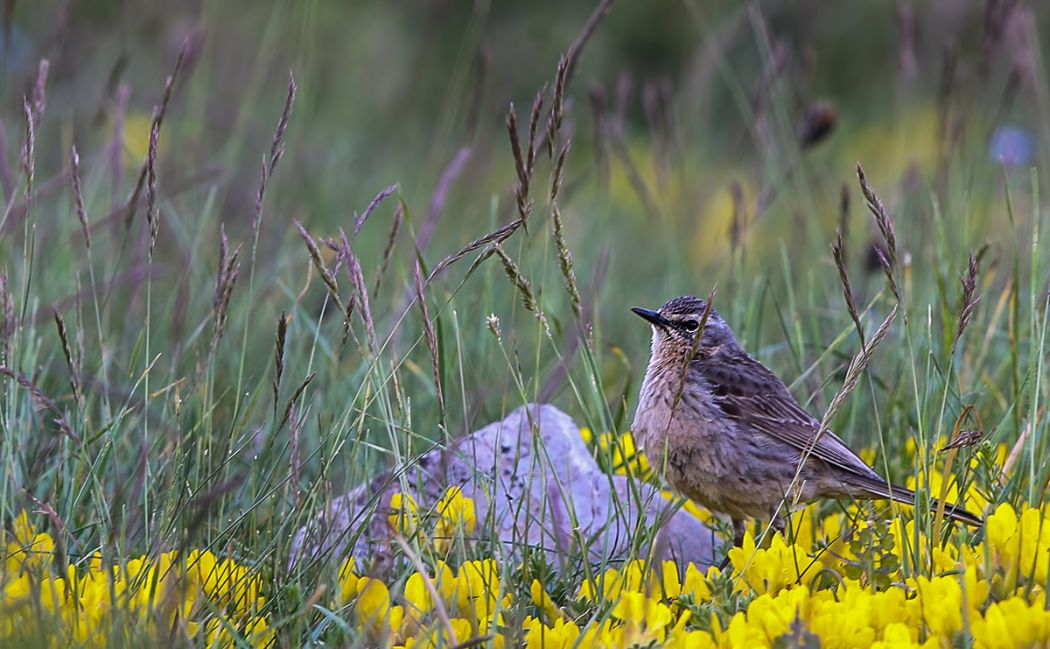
x,y
730,435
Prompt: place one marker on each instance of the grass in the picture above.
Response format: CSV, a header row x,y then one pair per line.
x,y
179,371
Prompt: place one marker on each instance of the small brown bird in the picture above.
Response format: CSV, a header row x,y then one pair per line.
x,y
729,434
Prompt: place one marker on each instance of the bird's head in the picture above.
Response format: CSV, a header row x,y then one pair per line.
x,y
677,323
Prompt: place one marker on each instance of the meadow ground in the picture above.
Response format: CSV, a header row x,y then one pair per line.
x,y
224,300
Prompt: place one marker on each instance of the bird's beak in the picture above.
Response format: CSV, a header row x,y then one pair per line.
x,y
651,316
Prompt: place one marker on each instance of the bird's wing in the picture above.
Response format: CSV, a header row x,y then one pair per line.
x,y
747,391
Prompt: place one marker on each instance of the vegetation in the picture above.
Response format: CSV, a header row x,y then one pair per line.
x,y
199,350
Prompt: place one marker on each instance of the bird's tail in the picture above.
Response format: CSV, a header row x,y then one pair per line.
x,y
907,496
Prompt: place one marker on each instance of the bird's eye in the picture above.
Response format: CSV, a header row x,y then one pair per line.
x,y
690,325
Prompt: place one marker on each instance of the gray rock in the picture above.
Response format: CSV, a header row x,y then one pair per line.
x,y
531,477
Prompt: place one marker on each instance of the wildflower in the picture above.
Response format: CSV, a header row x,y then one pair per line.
x,y
561,634
455,513
543,601
404,514
348,581
438,635
1013,623
645,618
1019,544
770,570
373,611
695,584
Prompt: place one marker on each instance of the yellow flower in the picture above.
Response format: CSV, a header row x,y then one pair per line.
x,y
404,515
739,633
941,600
845,622
373,611
1019,544
255,632
417,594
455,514
1013,623
478,593
560,635
348,581
543,601
645,618
626,458
770,570
695,583
438,635
28,548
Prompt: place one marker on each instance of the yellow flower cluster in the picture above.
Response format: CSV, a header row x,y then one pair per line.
x,y
175,597
441,608
454,514
991,594
844,581
620,453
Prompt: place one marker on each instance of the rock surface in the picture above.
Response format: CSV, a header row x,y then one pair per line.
x,y
534,479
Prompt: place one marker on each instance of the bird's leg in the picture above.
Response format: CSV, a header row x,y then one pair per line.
x,y
739,529
779,524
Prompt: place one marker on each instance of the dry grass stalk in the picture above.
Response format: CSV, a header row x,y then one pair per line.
x,y
295,426
534,125
887,270
295,397
969,298
517,279
430,337
152,213
158,120
837,251
43,401
960,438
315,254
78,197
572,55
882,219
388,249
515,144
521,189
7,318
29,154
359,221
564,254
357,280
226,277
522,160
277,146
38,90
853,374
269,164
278,357
497,236
33,110
67,351
558,107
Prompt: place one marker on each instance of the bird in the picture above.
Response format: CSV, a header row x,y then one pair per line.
x,y
729,435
